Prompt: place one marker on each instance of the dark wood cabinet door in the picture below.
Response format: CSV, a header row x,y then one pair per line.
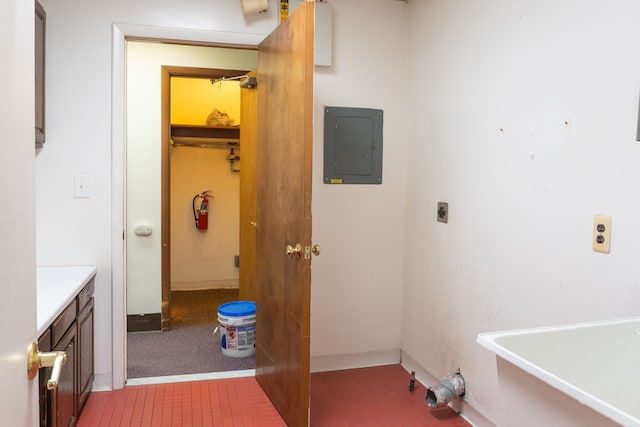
x,y
44,344
85,352
64,398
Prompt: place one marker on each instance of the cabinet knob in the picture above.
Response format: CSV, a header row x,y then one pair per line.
x,y
37,359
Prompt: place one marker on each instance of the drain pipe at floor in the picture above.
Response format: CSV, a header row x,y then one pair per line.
x,y
450,387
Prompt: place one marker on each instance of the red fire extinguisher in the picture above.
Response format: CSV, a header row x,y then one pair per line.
x,y
200,207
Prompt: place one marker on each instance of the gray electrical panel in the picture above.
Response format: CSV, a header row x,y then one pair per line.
x,y
352,145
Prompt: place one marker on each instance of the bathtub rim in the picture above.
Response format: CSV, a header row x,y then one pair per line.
x,y
488,340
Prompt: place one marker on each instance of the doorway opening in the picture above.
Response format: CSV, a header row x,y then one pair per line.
x,y
197,269
286,122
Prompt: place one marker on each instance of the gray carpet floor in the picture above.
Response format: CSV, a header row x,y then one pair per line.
x,y
190,346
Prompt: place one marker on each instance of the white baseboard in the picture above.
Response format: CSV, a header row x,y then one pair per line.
x,y
337,362
102,382
192,377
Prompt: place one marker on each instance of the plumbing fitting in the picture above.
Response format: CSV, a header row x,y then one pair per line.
x,y
450,387
412,381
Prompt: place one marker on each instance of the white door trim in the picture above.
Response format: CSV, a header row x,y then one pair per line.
x,y
122,32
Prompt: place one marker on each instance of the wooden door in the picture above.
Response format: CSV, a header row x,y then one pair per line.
x,y
248,182
285,103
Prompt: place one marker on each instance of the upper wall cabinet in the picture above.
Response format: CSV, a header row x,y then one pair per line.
x,y
41,18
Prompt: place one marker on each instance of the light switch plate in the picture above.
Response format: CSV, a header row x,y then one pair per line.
x,y
601,233
81,187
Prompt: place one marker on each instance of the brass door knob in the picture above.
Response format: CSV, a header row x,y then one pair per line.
x,y
37,359
294,250
315,249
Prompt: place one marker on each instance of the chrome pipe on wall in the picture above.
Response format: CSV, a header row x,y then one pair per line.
x,y
450,387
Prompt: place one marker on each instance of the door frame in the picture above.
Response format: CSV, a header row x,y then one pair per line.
x,y
165,184
120,35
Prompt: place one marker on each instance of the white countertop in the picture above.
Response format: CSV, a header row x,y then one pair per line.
x,y
56,287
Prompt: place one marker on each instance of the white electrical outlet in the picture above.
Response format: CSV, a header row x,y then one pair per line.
x,y
601,233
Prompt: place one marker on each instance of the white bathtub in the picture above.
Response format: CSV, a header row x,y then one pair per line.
x,y
583,375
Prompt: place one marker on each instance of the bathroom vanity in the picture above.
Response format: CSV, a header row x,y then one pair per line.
x,y
65,320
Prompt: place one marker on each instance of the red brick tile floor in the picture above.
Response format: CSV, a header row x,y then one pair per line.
x,y
371,397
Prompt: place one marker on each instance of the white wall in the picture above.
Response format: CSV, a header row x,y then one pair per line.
x,y
357,281
79,120
204,259
523,118
144,61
